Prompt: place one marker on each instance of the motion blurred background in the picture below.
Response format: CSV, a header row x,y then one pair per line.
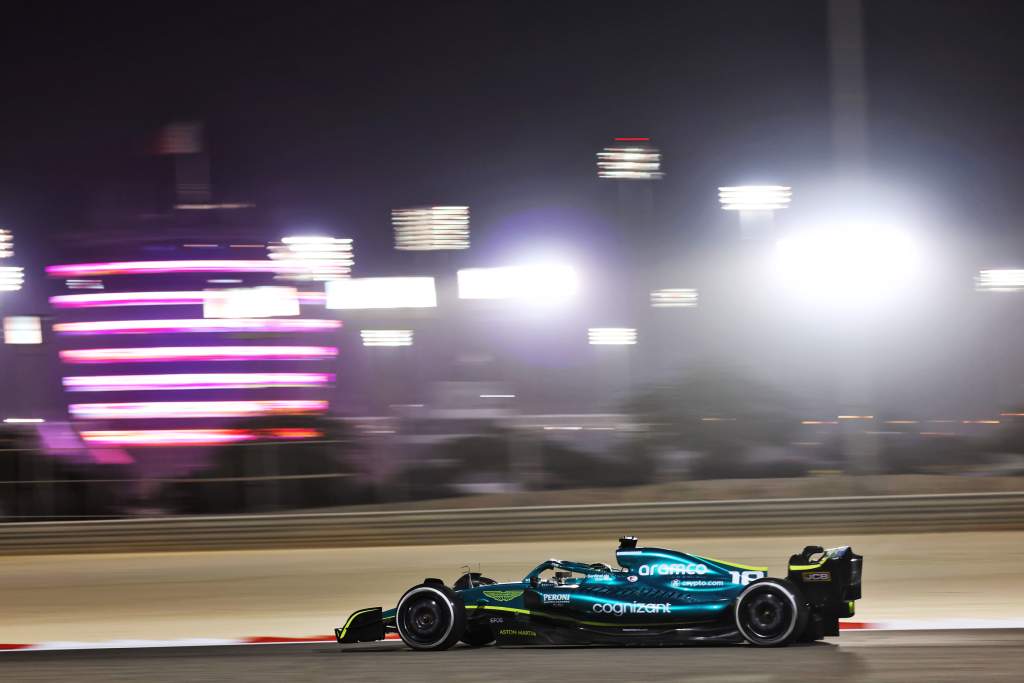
x,y
395,257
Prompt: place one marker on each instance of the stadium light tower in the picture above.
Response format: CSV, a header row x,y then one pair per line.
x,y
313,257
611,336
756,205
11,277
6,244
631,159
432,228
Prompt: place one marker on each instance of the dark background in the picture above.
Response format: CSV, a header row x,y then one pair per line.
x,y
328,114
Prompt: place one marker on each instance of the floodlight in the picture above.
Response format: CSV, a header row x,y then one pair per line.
x,y
80,283
386,337
611,336
11,278
6,244
674,298
629,163
23,329
1003,280
755,197
432,228
381,292
312,257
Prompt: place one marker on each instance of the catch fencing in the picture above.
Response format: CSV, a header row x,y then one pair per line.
x,y
806,517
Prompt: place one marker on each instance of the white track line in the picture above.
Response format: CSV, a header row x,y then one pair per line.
x,y
59,645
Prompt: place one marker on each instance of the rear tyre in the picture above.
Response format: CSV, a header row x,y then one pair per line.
x,y
771,613
430,617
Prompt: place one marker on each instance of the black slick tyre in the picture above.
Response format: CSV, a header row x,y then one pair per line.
x,y
771,613
430,617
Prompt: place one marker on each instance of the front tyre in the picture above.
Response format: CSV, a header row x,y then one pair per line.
x,y
430,617
771,612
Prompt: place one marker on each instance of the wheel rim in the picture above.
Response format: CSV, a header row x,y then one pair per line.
x,y
766,615
425,619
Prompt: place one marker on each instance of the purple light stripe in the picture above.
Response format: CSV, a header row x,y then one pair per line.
x,y
191,437
127,299
109,299
196,266
186,381
193,409
160,354
196,325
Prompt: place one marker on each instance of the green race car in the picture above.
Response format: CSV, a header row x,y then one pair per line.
x,y
655,596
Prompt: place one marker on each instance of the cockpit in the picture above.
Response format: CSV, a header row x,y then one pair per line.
x,y
560,573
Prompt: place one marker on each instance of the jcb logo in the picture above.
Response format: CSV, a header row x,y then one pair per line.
x,y
817,576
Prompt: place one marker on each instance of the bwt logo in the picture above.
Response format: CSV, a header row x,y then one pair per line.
x,y
672,569
620,608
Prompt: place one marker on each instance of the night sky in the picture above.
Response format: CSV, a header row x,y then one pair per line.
x,y
328,114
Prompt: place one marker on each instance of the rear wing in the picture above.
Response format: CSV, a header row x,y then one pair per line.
x,y
830,579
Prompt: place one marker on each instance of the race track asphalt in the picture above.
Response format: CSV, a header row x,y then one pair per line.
x,y
932,656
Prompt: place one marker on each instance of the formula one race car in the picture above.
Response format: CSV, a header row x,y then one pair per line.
x,y
656,597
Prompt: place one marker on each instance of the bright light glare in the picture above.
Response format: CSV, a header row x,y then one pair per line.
x,y
542,283
755,197
23,420
386,337
382,292
611,336
674,298
852,263
1005,280
193,409
251,302
23,329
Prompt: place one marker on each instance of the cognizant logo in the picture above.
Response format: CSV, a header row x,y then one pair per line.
x,y
620,608
664,569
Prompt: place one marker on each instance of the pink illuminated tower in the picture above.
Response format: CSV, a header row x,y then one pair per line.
x,y
190,344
